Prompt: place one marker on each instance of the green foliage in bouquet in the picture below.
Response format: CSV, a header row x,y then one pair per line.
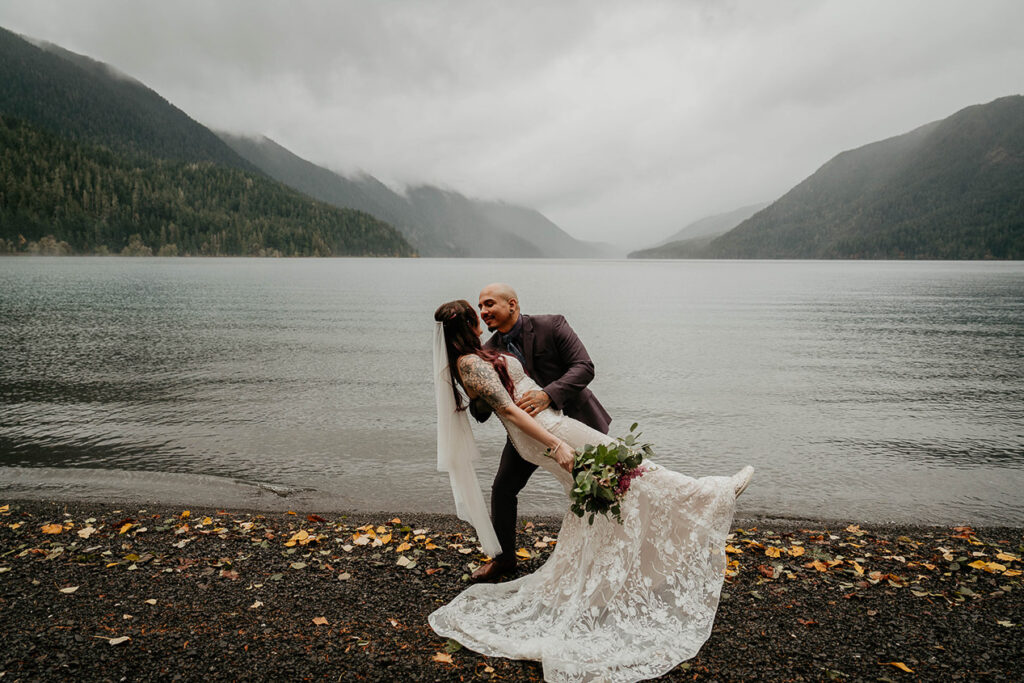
x,y
603,473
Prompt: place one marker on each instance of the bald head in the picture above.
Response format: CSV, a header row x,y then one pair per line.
x,y
499,307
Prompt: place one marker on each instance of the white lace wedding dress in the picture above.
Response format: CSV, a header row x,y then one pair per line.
x,y
613,602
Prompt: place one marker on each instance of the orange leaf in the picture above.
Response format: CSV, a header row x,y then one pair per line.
x,y
772,551
185,514
315,518
442,657
320,621
396,520
52,528
402,548
796,550
434,570
523,554
126,527
899,665
733,550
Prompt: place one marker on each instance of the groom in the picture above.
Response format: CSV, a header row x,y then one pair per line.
x,y
556,359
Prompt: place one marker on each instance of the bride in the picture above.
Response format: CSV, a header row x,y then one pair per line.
x,y
614,602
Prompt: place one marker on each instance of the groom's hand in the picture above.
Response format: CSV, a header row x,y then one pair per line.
x,y
533,402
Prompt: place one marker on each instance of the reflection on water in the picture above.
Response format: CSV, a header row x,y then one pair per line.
x,y
871,391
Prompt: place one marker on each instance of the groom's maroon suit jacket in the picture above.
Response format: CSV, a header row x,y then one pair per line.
x,y
557,360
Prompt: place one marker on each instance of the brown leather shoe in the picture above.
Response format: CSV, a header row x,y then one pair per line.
x,y
492,571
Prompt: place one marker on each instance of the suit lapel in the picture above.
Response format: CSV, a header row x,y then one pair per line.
x,y
528,343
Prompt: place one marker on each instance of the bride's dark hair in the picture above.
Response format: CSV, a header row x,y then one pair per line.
x,y
459,320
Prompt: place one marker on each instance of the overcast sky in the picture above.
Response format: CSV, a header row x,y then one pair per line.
x,y
620,121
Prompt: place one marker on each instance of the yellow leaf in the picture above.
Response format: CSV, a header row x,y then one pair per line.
x,y
733,550
320,621
5,508
185,514
443,658
382,530
290,512
396,520
112,564
1007,557
796,551
772,551
386,538
52,528
991,567
126,527
523,554
899,665
402,548
857,568
1012,572
817,564
430,546
207,520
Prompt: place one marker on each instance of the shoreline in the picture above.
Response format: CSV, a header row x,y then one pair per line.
x,y
101,590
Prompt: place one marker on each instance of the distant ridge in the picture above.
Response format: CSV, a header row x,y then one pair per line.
x,y
699,233
952,189
436,222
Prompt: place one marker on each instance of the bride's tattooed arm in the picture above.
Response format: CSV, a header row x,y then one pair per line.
x,y
480,378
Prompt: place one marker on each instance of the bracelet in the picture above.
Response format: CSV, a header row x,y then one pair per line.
x,y
551,451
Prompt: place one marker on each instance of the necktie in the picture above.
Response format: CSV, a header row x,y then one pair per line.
x,y
514,349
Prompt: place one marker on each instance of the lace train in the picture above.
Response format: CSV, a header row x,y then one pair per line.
x,y
613,602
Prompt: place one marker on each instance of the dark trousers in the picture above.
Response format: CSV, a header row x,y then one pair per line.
x,y
513,473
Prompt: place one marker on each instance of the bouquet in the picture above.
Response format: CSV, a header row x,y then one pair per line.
x,y
603,473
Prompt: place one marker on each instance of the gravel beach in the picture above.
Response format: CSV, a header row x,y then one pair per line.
x,y
106,593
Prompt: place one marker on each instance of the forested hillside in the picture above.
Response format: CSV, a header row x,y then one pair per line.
x,y
89,199
953,189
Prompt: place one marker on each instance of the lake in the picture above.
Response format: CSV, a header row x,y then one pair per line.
x,y
868,391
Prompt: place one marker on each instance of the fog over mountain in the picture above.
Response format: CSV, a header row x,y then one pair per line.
x,y
619,122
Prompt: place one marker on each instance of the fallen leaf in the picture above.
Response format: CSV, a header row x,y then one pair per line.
x,y
125,527
990,567
315,518
807,622
768,572
86,532
256,605
396,520
523,554
772,551
899,665
1012,572
733,550
433,570
52,528
229,574
290,512
442,657
320,621
796,550
817,564
185,514
151,601
5,508
1007,557
119,640
1005,622
69,589
345,576
297,565
403,547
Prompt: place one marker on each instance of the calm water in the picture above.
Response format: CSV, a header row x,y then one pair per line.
x,y
869,391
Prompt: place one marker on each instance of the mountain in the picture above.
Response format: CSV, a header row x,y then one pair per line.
x,y
92,161
699,233
951,189
62,196
91,102
436,222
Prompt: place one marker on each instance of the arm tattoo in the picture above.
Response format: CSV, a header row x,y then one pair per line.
x,y
481,378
